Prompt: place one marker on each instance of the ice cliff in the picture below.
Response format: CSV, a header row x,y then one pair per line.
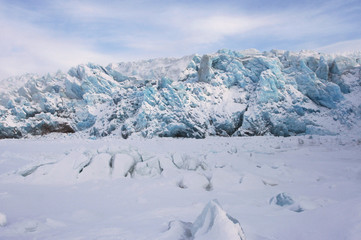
x,y
228,93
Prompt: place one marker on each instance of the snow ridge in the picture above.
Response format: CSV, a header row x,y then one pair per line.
x,y
228,93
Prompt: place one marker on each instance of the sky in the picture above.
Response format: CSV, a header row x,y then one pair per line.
x,y
41,36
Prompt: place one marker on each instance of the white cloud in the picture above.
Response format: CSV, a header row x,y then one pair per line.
x,y
226,25
66,33
27,48
342,47
215,28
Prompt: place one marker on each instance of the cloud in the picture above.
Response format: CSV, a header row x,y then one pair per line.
x,y
342,47
40,36
26,48
215,28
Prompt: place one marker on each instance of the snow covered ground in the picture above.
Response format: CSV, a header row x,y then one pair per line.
x,y
267,188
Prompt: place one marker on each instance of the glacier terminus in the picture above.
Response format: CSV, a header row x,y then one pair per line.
x,y
227,93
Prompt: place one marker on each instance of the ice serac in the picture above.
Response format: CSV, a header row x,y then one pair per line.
x,y
213,223
205,69
227,93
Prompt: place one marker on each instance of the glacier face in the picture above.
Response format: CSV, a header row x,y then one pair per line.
x,y
228,93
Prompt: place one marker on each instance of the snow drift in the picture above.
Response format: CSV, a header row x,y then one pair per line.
x,y
229,93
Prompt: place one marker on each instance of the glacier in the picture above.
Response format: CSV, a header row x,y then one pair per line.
x,y
227,93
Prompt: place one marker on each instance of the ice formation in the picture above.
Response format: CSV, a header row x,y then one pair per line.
x,y
228,93
282,199
213,223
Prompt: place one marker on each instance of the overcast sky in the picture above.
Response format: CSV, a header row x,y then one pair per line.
x,y
40,36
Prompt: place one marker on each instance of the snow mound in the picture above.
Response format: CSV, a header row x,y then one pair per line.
x,y
3,220
122,164
178,230
213,223
282,199
101,163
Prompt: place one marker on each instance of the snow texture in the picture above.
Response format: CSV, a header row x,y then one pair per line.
x,y
65,187
228,93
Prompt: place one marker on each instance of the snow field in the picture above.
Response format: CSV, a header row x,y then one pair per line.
x,y
265,188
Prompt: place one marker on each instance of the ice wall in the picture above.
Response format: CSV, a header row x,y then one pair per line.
x,y
228,93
